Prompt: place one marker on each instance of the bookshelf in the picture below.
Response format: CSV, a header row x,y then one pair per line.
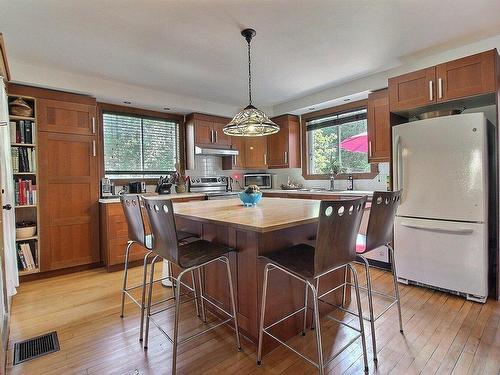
x,y
23,137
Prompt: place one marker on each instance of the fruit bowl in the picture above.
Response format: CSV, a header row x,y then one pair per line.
x,y
250,199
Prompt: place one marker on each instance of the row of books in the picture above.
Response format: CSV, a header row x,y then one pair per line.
x,y
27,255
23,159
22,131
24,192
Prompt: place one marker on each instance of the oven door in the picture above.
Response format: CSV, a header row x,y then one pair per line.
x,y
261,180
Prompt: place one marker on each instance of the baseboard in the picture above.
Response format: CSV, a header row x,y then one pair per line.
x,y
62,271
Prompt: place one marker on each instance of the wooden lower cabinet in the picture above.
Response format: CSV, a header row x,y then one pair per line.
x,y
114,235
69,194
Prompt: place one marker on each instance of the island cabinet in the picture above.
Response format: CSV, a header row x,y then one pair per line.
x,y
273,224
379,127
283,148
457,79
114,233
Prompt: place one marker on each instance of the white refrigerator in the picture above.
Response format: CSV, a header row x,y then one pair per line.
x,y
441,228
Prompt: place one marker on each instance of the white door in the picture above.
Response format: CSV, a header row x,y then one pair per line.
x,y
442,254
441,166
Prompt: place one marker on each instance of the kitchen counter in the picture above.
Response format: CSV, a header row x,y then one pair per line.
x,y
169,196
321,192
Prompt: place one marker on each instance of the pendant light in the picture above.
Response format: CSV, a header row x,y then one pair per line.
x,y
250,121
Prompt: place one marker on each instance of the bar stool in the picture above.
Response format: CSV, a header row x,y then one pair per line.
x,y
189,257
132,207
339,223
379,233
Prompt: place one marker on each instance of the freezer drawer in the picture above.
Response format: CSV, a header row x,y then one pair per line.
x,y
444,254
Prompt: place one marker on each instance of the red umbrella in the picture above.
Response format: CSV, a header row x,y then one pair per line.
x,y
356,143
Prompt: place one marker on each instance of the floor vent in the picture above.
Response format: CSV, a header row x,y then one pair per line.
x,y
35,347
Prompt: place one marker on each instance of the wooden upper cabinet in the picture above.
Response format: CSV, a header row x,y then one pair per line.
x,y
457,79
238,161
69,194
412,90
256,152
219,137
65,117
379,129
468,76
203,132
283,148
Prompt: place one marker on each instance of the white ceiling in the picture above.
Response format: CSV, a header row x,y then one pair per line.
x,y
194,48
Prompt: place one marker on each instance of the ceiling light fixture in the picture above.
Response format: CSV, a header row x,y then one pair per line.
x,y
250,121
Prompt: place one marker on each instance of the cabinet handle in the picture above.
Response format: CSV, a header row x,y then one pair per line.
x,y
370,148
265,159
93,125
440,88
286,157
93,148
235,160
215,136
431,93
211,136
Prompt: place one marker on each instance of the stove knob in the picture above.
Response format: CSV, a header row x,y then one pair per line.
x,y
218,179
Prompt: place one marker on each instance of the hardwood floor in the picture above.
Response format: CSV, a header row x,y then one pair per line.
x,y
443,334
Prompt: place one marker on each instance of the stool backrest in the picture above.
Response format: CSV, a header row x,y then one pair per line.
x,y
162,221
338,227
382,213
132,207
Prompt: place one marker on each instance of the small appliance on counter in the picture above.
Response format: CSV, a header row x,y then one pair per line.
x,y
262,180
107,187
137,187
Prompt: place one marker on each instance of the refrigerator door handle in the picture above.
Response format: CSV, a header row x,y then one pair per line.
x,y
399,164
438,228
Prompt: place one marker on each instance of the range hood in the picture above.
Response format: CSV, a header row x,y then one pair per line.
x,y
215,151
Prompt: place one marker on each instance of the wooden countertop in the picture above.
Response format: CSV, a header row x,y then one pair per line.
x,y
270,214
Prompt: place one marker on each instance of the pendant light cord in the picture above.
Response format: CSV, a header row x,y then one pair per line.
x,y
249,75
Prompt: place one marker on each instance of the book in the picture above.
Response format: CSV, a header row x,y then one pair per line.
x,y
12,129
21,131
20,255
33,158
18,133
33,133
28,256
27,132
14,151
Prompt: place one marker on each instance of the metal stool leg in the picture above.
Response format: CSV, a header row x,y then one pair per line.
x,y
360,314
171,278
305,311
319,345
125,274
195,294
344,288
313,324
370,305
233,303
396,286
150,297
202,303
176,322
262,313
143,297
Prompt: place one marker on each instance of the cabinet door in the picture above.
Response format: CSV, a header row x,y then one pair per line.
x,y
69,194
238,143
277,146
220,138
255,152
412,90
65,117
379,129
471,75
203,132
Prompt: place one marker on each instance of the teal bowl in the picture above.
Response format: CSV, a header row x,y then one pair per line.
x,y
250,199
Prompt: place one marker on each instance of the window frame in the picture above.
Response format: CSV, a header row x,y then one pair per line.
x,y
144,113
360,104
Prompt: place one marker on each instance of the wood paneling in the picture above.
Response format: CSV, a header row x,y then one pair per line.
x,y
283,148
39,93
412,90
255,152
65,117
4,65
468,76
69,191
379,127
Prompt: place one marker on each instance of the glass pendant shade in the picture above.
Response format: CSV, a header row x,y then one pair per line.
x,y
251,122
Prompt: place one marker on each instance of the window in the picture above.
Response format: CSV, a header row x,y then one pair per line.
x,y
338,141
139,147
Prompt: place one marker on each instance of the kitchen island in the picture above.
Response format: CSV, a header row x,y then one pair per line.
x,y
273,224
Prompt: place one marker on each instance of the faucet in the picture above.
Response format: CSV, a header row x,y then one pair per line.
x,y
332,182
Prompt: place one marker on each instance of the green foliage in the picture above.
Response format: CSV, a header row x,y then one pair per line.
x,y
328,157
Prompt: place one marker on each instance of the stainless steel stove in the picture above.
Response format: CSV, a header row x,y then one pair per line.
x,y
219,187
